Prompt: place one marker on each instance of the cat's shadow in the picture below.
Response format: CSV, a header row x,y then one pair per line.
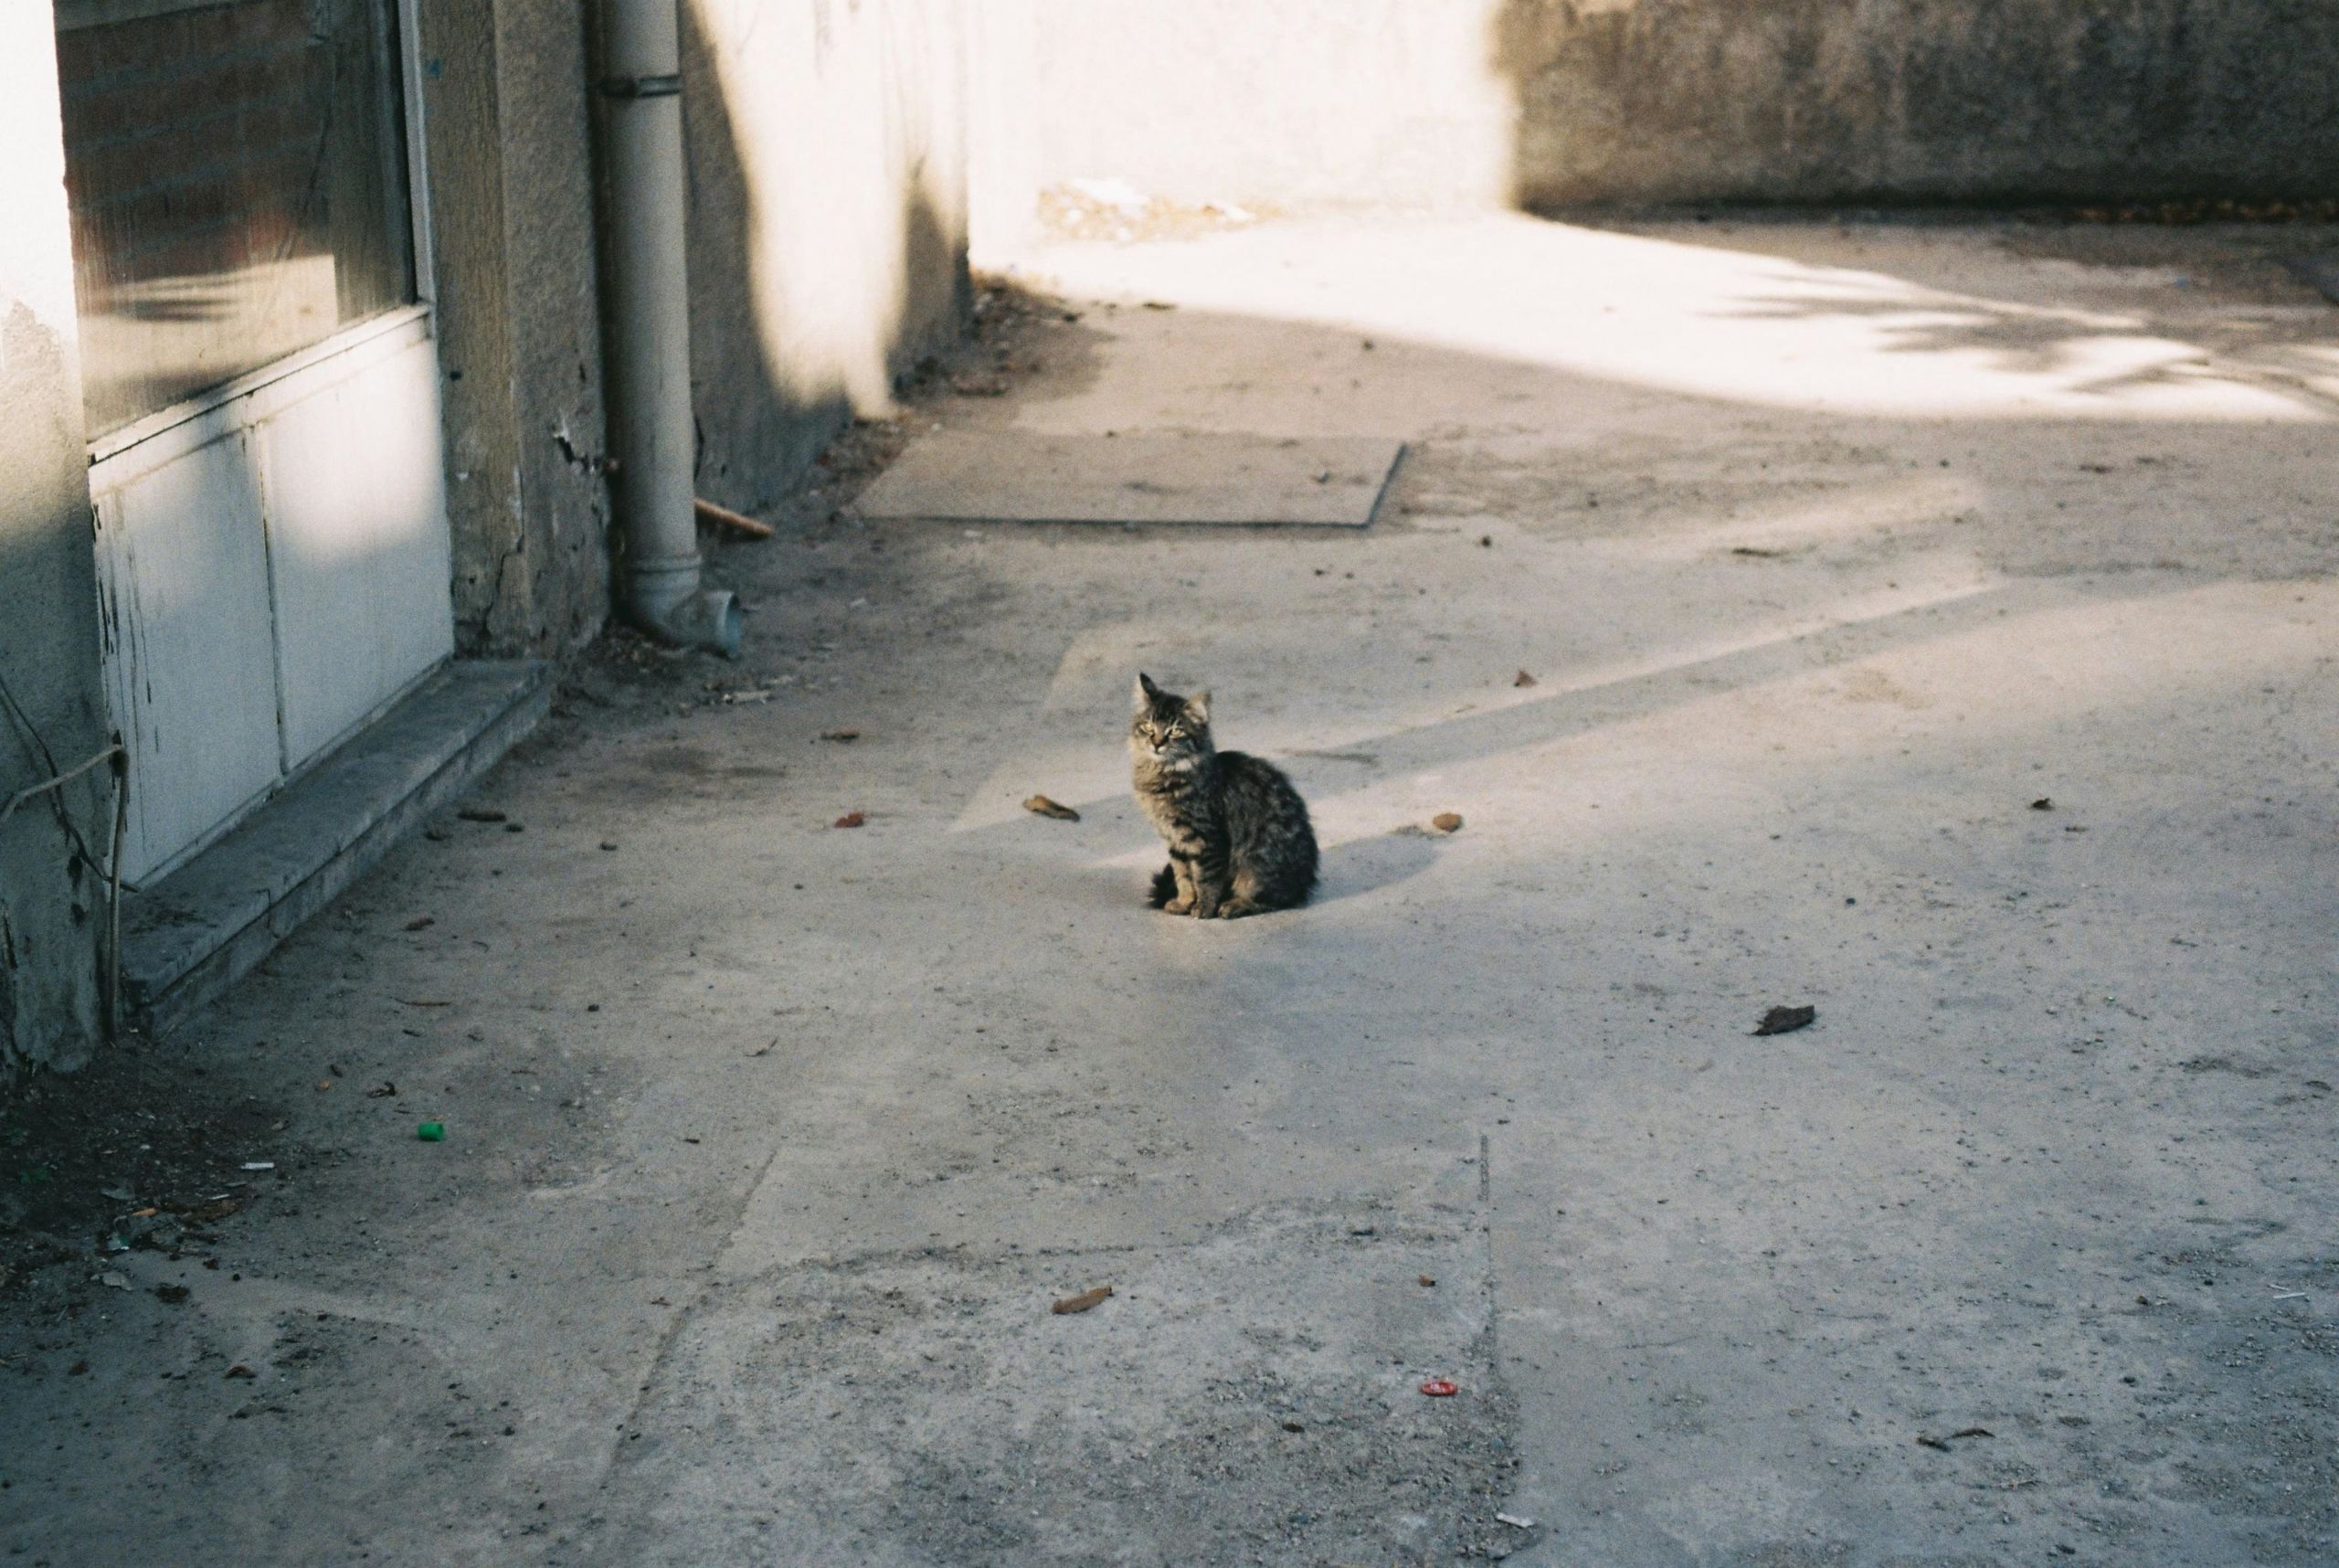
x,y
1360,866
1367,865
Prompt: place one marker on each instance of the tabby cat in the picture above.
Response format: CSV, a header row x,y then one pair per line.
x,y
1238,832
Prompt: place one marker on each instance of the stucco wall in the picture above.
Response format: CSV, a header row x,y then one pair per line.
x,y
828,218
509,135
52,895
1296,103
1551,102
1960,100
827,148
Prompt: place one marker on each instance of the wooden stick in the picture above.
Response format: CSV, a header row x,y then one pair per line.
x,y
738,522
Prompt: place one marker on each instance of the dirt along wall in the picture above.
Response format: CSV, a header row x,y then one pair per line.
x,y
827,219
53,846
1558,102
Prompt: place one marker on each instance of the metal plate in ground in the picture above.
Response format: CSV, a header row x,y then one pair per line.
x,y
1019,476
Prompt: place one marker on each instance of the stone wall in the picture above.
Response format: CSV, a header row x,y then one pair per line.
x,y
507,115
1920,100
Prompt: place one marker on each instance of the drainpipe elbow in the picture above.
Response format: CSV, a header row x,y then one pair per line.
x,y
671,606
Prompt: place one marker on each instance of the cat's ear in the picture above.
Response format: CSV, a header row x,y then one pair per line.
x,y
1145,692
1199,707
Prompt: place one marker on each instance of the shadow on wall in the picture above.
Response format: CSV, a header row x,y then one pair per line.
x,y
1650,101
828,232
53,847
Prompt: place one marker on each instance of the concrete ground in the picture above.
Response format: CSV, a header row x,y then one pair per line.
x,y
1932,625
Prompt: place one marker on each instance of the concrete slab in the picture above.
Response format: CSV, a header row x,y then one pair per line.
x,y
188,937
968,1397
1850,543
1024,476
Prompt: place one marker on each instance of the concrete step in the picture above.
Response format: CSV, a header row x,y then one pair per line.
x,y
187,938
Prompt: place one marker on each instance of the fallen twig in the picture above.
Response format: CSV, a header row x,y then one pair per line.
x,y
724,517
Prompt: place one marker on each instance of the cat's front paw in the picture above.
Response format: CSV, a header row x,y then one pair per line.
x,y
1180,906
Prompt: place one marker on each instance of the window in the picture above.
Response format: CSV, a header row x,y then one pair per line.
x,y
236,173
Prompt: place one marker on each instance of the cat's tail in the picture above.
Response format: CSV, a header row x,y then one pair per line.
x,y
1165,887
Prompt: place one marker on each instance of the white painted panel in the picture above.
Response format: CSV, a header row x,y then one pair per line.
x,y
358,545
189,652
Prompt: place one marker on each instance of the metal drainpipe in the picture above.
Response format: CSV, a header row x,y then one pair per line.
x,y
653,436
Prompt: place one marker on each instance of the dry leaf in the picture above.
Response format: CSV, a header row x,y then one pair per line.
x,y
1786,1020
1524,679
851,819
420,922
1042,806
1082,1302
1446,823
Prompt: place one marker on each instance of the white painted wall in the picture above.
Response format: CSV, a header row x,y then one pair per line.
x,y
357,545
273,571
1295,104
190,656
36,274
838,129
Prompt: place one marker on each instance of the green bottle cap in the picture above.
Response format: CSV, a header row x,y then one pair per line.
x,y
431,1132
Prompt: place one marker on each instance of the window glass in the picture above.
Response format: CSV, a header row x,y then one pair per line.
x,y
238,180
